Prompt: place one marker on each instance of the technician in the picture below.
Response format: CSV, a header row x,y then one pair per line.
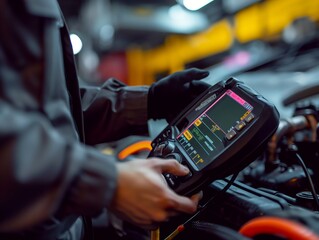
x,y
49,173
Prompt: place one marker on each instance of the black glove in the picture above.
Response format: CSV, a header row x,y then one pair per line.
x,y
168,96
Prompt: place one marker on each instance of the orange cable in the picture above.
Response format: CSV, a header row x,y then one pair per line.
x,y
135,147
277,226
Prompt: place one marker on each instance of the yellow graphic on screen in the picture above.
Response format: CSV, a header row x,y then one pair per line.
x,y
196,156
200,161
198,122
215,128
245,115
197,159
188,135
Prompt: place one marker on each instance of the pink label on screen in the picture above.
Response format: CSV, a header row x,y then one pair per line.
x,y
236,97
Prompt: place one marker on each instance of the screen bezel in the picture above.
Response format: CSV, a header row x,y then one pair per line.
x,y
192,115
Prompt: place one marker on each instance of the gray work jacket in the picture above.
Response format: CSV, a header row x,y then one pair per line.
x,y
49,175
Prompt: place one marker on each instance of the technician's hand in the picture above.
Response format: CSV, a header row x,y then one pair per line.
x,y
143,197
168,96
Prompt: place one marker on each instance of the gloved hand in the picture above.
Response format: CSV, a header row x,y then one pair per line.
x,y
168,96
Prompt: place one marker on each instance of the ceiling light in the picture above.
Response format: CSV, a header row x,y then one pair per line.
x,y
76,43
194,5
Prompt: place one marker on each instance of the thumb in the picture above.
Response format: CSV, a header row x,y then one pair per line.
x,y
197,74
190,74
193,74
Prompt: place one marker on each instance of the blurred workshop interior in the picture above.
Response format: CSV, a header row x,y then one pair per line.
x,y
140,41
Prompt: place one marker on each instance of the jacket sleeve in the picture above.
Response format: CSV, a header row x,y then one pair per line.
x,y
114,111
43,168
41,172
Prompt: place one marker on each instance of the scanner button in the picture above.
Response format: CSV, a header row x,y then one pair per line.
x,y
240,126
161,146
158,151
171,180
168,132
168,148
249,118
230,135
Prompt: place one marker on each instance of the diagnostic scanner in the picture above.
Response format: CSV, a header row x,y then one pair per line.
x,y
218,134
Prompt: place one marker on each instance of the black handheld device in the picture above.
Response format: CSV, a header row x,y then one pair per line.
x,y
219,133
